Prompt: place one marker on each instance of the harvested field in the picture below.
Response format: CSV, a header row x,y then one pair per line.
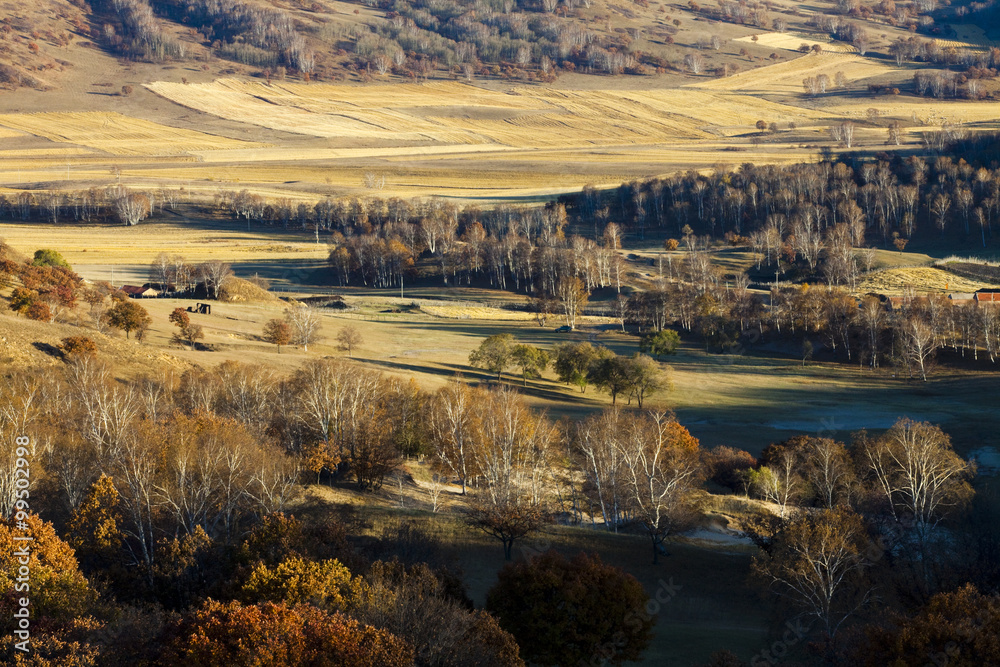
x,y
987,273
921,112
461,114
786,77
792,42
44,152
476,313
922,279
968,37
108,245
117,134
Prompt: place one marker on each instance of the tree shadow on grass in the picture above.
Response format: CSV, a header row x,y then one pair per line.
x,y
479,378
48,349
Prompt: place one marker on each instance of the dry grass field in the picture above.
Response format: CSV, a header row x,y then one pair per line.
x,y
793,41
922,279
968,37
117,134
481,141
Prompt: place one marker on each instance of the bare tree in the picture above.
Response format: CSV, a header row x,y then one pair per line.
x,y
513,461
662,465
214,274
305,323
453,420
919,342
131,207
829,471
818,561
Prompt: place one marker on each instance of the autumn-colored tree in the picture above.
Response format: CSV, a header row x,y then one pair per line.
x,y
305,325
39,311
818,561
21,299
728,466
57,589
452,418
326,584
278,635
958,629
75,346
186,331
373,454
128,316
511,452
278,332
420,606
495,354
566,612
94,527
573,296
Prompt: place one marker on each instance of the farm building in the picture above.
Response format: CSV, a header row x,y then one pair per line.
x,y
988,296
136,292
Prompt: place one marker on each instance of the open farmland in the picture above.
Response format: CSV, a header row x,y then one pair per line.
x,y
461,140
456,113
117,134
786,78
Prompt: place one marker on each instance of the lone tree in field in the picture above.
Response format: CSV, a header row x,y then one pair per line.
x,y
349,338
187,332
277,332
495,354
564,612
305,324
661,343
128,316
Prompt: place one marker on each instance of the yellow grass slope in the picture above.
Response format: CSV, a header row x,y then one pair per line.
x,y
460,114
786,77
923,279
117,134
792,42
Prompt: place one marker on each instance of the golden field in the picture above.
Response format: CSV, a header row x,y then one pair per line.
x,y
116,134
792,42
460,140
